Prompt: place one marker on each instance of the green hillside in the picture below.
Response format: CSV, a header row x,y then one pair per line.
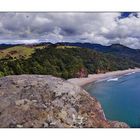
x,y
16,52
63,61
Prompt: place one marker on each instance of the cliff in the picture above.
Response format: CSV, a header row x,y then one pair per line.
x,y
49,102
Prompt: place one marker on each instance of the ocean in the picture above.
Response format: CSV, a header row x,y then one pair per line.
x,y
119,97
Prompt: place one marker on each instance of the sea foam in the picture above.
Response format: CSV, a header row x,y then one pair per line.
x,y
130,73
113,79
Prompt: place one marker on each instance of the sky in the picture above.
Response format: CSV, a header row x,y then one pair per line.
x,y
102,28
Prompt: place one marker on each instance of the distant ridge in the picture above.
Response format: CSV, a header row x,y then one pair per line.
x,y
114,49
8,45
5,46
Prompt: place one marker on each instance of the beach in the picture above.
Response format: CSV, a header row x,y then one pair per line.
x,y
100,76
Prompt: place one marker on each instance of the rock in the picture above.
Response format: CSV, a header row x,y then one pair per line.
x,y
117,124
78,120
19,102
46,101
63,114
19,126
45,125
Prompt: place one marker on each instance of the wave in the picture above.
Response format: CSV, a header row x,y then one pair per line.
x,y
113,79
106,79
130,73
101,80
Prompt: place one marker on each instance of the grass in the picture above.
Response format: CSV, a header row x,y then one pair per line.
x,y
16,52
24,51
66,47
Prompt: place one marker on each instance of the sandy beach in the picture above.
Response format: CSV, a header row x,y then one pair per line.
x,y
95,77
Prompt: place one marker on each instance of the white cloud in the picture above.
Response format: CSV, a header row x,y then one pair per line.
x,y
102,28
23,41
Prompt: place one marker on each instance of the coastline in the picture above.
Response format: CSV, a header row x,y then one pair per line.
x,y
95,77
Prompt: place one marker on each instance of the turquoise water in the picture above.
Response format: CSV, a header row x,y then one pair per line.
x,y
119,97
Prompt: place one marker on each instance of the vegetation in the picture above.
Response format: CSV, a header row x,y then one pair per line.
x,y
16,52
66,62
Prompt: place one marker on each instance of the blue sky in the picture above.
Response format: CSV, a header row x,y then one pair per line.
x,y
102,28
125,14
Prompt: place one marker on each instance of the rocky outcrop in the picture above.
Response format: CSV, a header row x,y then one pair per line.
x,y
49,102
81,73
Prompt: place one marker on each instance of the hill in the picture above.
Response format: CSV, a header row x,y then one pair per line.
x,y
64,61
16,52
114,49
20,51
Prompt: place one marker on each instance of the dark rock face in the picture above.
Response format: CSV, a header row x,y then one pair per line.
x,y
49,102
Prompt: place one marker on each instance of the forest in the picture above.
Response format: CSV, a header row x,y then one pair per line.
x,y
65,61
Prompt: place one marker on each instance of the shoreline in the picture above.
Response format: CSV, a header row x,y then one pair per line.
x,y
95,77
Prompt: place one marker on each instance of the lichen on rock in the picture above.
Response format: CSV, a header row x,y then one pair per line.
x,y
46,101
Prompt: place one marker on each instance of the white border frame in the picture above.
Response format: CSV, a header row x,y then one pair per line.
x,y
69,5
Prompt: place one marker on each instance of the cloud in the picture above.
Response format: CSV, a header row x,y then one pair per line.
x,y
102,28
